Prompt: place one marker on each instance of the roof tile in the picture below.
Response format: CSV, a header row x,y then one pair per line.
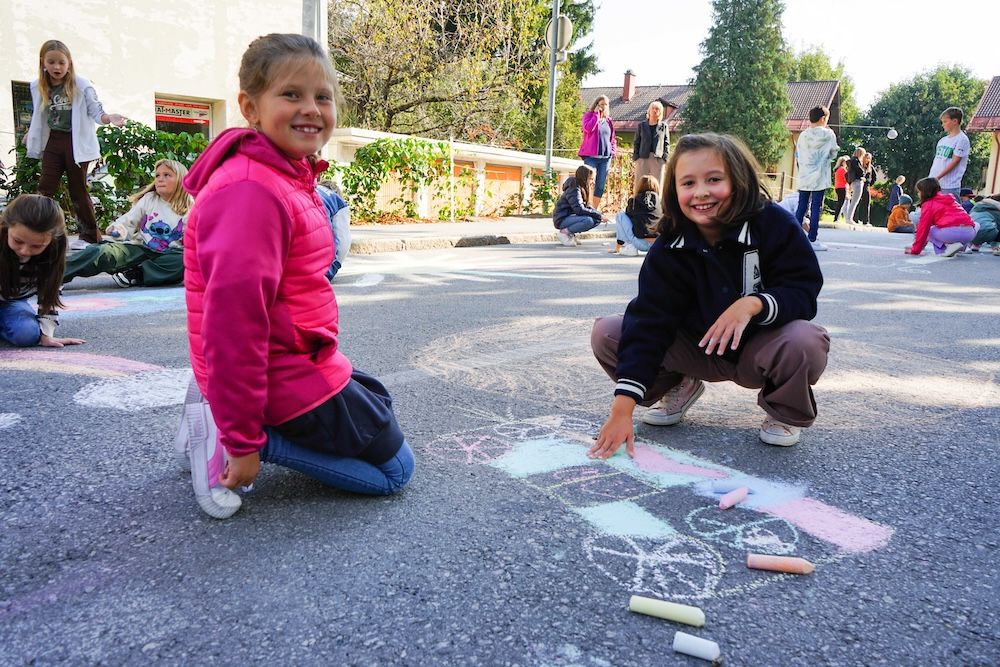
x,y
987,116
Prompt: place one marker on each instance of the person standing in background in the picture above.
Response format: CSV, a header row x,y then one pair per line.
x,y
599,145
652,145
952,154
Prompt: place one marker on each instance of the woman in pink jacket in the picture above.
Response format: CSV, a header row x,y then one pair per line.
x,y
262,318
599,144
942,220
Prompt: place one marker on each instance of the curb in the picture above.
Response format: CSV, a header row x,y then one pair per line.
x,y
376,246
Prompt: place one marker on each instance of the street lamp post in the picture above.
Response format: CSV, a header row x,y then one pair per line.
x,y
550,118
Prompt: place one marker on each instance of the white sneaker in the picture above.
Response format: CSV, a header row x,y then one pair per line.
x,y
817,246
629,250
774,432
79,244
207,457
953,249
565,238
670,409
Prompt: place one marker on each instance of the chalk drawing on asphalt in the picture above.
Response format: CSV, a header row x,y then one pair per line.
x,y
8,419
84,304
654,520
69,362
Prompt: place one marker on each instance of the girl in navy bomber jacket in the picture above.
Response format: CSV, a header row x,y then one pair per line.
x,y
725,293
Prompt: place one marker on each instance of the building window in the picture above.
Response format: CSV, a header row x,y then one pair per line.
x,y
178,116
21,93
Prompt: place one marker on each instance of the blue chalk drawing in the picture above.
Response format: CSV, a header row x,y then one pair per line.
x,y
625,519
533,457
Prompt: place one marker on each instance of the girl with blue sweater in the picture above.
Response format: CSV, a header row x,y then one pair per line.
x,y
725,293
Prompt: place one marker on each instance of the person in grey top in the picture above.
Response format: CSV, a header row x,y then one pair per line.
x,y
652,145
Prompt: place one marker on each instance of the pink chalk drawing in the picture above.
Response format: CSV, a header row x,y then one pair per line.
x,y
647,458
482,449
851,533
71,363
94,303
640,508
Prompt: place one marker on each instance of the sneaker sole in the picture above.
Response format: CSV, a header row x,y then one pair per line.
x,y
216,501
951,252
780,440
675,418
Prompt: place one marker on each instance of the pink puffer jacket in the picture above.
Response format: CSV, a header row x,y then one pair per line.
x,y
262,318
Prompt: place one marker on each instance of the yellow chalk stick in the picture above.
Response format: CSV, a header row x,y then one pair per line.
x,y
787,564
734,497
670,611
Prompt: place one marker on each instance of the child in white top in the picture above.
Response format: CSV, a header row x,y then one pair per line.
x,y
150,248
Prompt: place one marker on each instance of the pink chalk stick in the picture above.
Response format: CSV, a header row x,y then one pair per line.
x,y
734,497
788,564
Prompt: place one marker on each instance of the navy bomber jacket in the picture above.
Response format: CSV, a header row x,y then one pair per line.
x,y
685,285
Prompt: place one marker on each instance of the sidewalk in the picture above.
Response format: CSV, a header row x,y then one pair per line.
x,y
374,239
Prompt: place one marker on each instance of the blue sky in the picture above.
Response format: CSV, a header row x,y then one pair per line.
x,y
879,42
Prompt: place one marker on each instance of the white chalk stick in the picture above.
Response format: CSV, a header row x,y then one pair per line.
x,y
734,497
696,646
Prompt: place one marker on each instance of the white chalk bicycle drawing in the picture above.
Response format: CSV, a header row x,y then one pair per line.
x,y
632,541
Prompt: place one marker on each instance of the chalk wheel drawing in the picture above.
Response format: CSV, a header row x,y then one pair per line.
x,y
135,393
678,567
770,535
469,449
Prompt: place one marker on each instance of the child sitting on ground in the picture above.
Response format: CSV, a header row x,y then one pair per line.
x,y
899,218
149,238
636,226
32,257
572,215
725,293
942,220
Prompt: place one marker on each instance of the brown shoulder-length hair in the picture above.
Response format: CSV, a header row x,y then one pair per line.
x,y
41,215
607,104
583,175
69,81
749,194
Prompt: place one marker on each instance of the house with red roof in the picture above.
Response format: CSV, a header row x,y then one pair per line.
x,y
987,119
629,103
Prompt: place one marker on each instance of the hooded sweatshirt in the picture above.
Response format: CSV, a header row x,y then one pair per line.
x,y
262,319
814,150
644,211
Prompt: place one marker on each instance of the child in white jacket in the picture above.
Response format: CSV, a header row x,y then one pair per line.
x,y
149,238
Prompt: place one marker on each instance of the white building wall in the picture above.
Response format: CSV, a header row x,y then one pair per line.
x,y
134,50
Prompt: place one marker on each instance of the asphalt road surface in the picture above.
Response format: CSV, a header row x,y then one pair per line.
x,y
510,547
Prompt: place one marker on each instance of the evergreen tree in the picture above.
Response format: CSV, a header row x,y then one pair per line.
x,y
741,85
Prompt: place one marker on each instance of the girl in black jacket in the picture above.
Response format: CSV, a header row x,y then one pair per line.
x,y
725,293
636,226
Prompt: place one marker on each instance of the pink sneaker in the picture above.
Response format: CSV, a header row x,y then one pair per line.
x,y
774,432
207,457
670,409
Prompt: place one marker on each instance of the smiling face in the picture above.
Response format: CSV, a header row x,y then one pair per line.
x,y
704,188
56,65
297,111
165,182
26,243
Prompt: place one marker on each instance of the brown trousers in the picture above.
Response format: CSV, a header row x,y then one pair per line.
x,y
57,157
649,166
783,363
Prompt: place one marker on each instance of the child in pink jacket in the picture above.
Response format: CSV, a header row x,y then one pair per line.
x,y
262,317
942,220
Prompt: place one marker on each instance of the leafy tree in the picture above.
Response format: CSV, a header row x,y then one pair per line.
x,y
436,68
582,61
814,64
914,107
741,85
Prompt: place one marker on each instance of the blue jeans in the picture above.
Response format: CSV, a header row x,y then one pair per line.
x,y
625,233
814,200
600,165
954,192
340,472
18,325
574,224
